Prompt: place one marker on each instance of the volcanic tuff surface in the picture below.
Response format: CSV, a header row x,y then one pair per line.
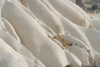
x,y
48,33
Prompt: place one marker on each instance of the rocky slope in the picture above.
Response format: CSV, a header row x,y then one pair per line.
x,y
47,33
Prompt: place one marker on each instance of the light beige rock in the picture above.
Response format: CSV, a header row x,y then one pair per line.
x,y
69,12
1,5
34,37
45,15
96,58
2,27
73,40
81,53
79,9
94,38
75,62
12,42
46,28
10,29
24,8
95,23
70,27
10,58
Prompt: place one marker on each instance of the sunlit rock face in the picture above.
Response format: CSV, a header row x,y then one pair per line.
x,y
73,1
47,33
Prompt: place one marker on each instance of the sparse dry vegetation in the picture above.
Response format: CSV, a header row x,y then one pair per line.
x,y
24,3
58,37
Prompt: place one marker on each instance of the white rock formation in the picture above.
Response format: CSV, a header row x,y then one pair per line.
x,y
34,37
45,15
10,29
75,62
10,58
47,33
95,23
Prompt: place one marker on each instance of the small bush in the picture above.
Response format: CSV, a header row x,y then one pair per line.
x,y
89,8
94,7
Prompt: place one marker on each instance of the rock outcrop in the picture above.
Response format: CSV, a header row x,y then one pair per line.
x,y
47,33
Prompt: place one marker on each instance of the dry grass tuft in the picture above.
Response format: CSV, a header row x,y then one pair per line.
x,y
55,42
58,37
24,3
51,38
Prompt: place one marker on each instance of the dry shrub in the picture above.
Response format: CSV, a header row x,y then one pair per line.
x,y
24,3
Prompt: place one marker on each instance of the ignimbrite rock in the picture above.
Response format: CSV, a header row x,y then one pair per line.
x,y
10,58
70,27
96,58
2,26
75,62
95,23
76,32
81,53
45,15
30,63
79,9
46,28
34,37
1,5
15,2
12,42
10,29
47,33
69,12
93,36
73,40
